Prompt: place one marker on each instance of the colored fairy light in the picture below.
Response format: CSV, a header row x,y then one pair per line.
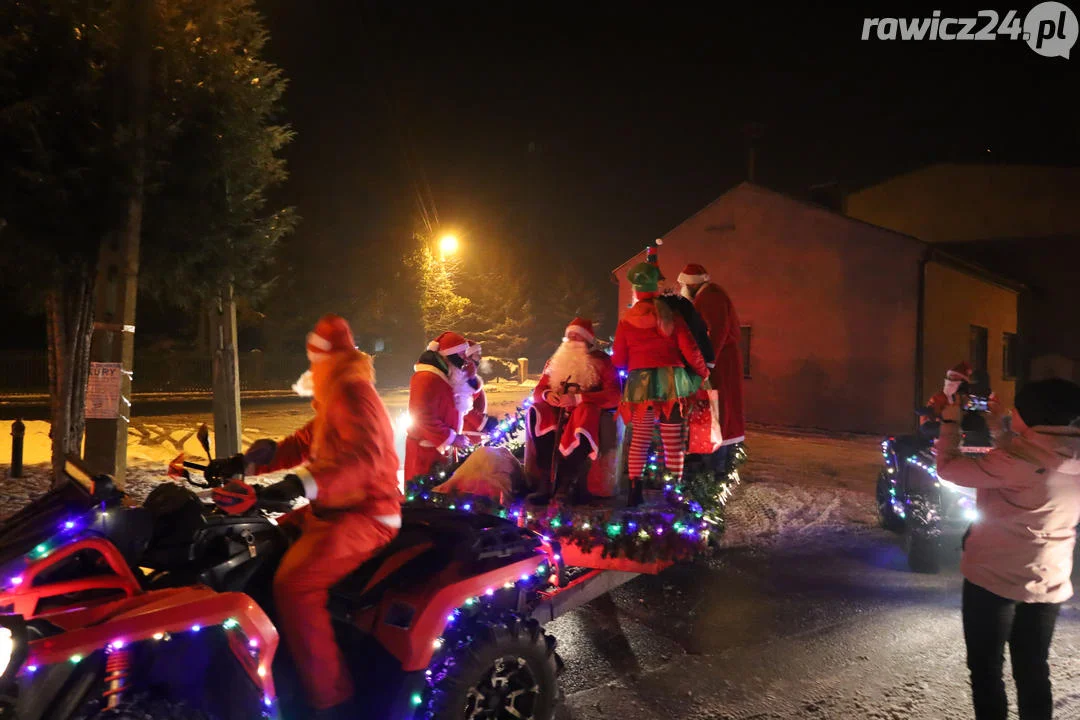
x,y
117,644
17,580
253,643
31,668
268,701
262,671
438,643
525,577
76,659
196,628
69,525
417,698
450,618
489,592
159,636
230,624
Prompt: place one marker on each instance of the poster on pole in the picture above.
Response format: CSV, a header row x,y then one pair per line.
x,y
103,391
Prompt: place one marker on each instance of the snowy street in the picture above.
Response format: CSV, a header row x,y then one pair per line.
x,y
808,611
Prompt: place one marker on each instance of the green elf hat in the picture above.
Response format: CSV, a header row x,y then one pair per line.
x,y
645,277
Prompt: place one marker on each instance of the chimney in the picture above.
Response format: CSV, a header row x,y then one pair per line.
x,y
830,195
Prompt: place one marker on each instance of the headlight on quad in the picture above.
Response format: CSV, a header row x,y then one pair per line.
x,y
12,646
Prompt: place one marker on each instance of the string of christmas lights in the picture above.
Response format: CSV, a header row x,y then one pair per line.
x,y
679,528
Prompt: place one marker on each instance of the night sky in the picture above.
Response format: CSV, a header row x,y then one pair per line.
x,y
560,133
634,113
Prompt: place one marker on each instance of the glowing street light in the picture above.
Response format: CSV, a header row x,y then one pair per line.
x,y
448,245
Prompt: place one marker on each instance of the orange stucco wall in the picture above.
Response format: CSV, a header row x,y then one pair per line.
x,y
832,304
955,301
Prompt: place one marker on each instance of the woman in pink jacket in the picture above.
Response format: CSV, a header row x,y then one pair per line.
x,y
1018,555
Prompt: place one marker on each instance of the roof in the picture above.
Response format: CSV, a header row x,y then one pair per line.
x,y
754,187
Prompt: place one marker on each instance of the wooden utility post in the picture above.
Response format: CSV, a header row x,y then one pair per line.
x,y
226,370
112,346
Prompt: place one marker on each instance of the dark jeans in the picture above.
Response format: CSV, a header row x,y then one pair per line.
x,y
989,622
717,461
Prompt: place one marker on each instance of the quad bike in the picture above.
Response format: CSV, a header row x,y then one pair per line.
x,y
164,611
930,513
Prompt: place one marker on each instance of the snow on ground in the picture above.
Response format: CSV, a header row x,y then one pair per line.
x,y
795,485
799,485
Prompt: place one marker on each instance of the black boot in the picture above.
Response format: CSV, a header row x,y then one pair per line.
x,y
542,494
636,493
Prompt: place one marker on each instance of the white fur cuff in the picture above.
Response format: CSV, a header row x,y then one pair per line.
x,y
693,279
311,488
447,442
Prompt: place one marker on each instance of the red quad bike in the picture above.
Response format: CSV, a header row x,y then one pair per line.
x,y
164,612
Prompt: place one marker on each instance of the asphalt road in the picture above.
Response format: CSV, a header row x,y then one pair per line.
x,y
835,626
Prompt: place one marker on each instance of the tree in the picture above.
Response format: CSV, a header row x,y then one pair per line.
x,y
441,307
86,126
499,315
569,296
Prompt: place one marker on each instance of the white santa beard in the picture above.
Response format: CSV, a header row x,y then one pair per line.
x,y
685,292
305,385
572,361
463,392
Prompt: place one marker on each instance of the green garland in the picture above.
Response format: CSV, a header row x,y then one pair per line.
x,y
681,528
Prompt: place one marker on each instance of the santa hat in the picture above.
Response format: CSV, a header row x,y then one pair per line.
x,y
582,327
693,274
652,256
960,371
449,343
474,350
331,335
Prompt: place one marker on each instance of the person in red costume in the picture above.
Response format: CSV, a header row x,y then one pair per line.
x,y
726,375
477,422
579,383
343,461
440,394
954,379
665,370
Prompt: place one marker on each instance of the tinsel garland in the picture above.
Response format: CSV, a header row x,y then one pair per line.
x,y
677,529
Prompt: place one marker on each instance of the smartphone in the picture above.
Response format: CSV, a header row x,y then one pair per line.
x,y
977,403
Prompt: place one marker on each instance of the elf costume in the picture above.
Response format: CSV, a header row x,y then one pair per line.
x,y
664,370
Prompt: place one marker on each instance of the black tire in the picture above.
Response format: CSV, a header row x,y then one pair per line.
x,y
499,661
922,537
889,519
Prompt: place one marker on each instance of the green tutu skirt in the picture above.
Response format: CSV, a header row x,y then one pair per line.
x,y
658,388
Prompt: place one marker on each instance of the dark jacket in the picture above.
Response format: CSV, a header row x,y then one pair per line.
x,y
695,322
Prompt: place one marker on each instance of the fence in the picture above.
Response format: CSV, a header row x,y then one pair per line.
x,y
179,372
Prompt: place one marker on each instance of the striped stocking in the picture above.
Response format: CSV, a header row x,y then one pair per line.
x,y
640,440
674,448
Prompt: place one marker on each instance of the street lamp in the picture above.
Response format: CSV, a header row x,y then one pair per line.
x,y
448,245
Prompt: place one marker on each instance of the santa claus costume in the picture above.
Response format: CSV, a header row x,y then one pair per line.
x,y
664,368
439,398
579,386
954,378
345,465
726,376
477,422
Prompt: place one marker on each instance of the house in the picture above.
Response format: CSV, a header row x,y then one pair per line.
x,y
1017,220
847,326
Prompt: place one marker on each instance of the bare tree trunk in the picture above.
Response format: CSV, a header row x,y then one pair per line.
x,y
70,315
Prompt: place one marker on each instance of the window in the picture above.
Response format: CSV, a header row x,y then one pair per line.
x,y
977,347
744,345
1009,358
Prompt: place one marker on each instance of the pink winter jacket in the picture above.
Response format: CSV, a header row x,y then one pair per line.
x,y
1028,498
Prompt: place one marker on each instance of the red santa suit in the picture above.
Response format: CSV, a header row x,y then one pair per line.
x,y
583,424
348,468
439,398
960,373
726,377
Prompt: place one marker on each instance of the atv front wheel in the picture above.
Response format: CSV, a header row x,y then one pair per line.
x,y
504,668
922,536
889,519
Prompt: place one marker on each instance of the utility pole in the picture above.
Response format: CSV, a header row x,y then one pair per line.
x,y
226,370
112,345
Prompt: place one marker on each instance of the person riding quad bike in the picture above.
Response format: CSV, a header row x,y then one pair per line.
x,y
344,463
